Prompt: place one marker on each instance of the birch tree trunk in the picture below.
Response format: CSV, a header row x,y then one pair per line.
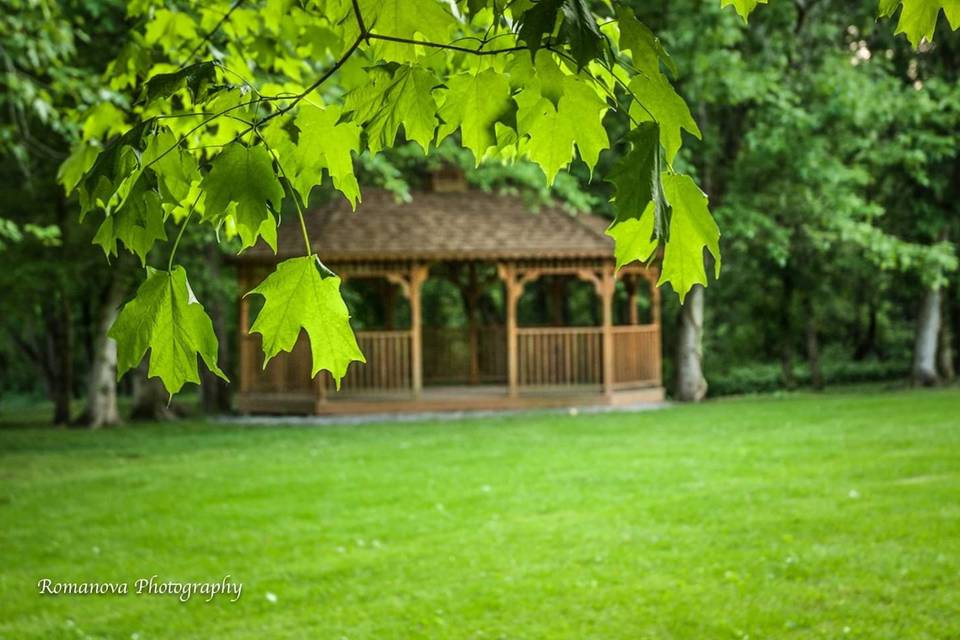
x,y
101,408
925,347
691,385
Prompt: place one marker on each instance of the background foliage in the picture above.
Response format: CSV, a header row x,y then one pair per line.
x,y
827,145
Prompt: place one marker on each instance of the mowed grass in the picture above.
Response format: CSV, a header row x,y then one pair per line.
x,y
804,516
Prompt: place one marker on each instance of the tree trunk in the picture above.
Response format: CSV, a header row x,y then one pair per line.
x,y
953,313
101,408
867,344
813,349
150,398
786,330
59,334
812,331
691,385
59,355
945,356
925,348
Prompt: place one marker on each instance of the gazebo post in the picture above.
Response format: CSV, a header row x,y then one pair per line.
x,y
607,287
653,277
512,290
470,294
418,273
319,392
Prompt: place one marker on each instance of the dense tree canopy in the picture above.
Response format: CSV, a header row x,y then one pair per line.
x,y
226,114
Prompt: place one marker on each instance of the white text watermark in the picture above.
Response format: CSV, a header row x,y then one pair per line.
x,y
151,586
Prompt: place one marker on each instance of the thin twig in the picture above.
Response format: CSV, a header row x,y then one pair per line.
x,y
303,94
215,28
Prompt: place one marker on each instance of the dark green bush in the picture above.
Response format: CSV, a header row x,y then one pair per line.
x,y
763,378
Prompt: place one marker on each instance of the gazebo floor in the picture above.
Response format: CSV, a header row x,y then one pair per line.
x,y
446,398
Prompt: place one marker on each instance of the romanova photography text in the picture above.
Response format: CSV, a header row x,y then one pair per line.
x,y
151,586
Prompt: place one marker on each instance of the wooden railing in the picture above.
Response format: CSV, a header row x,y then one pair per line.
x,y
287,373
560,356
388,364
546,357
636,355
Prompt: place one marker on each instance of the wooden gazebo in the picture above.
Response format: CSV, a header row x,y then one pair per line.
x,y
480,365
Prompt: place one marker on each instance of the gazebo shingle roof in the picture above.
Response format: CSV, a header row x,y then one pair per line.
x,y
463,225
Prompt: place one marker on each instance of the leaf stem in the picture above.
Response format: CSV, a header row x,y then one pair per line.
x,y
296,199
183,227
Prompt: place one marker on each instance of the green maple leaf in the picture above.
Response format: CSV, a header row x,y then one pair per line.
x,y
655,99
581,32
691,229
474,103
551,132
643,45
197,78
138,223
406,19
636,180
549,139
578,28
245,176
166,318
918,18
81,158
175,169
743,7
538,21
115,171
325,142
297,297
583,109
395,95
633,237
169,28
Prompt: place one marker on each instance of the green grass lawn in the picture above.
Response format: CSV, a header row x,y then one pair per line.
x,y
804,516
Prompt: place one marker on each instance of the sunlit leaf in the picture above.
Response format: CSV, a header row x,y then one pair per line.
x,y
297,297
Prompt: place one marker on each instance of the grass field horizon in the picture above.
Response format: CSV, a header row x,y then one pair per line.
x,y
795,516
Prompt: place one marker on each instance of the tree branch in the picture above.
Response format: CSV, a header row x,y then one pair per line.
x,y
449,47
360,24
